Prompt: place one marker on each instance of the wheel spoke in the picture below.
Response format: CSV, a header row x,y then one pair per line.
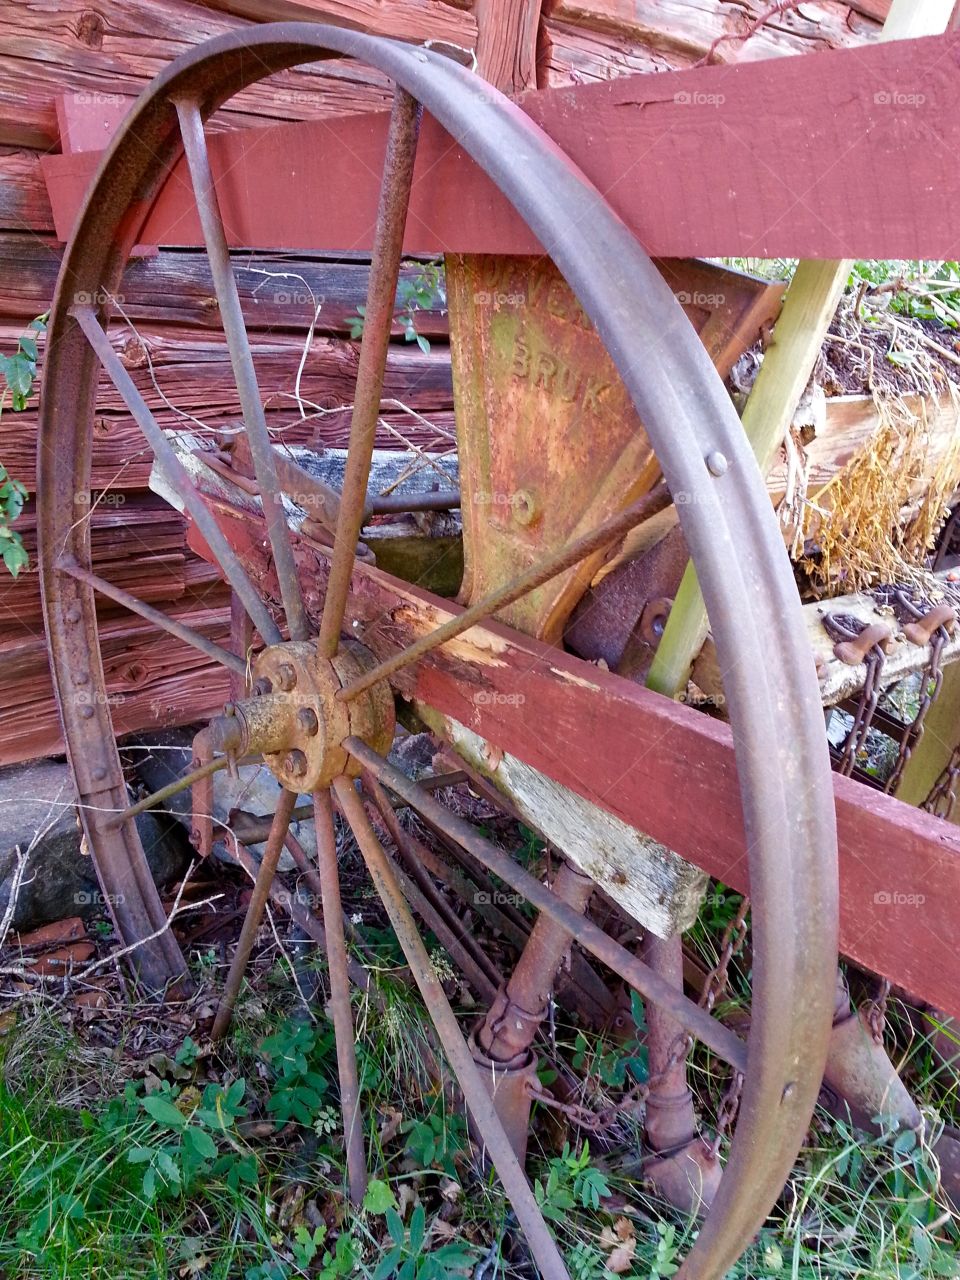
x,y
241,358
251,923
378,322
340,1006
509,1170
610,531
169,791
431,905
187,634
724,1043
176,475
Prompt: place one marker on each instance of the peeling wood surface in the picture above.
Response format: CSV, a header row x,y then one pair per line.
x,y
174,289
650,882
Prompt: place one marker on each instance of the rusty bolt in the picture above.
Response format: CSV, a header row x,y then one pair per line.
x,y
229,709
86,712
308,722
853,652
286,677
74,613
295,763
524,507
922,630
262,687
82,677
653,619
99,773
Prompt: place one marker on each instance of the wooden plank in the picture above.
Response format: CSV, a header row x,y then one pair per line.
x,y
808,309
506,47
24,203
809,306
941,737
137,542
632,753
583,40
153,681
414,20
192,375
52,46
848,425
899,868
648,142
174,288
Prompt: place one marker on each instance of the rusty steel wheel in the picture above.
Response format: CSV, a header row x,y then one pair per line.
x,y
340,721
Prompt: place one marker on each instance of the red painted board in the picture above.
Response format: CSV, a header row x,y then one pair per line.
x,y
848,153
661,767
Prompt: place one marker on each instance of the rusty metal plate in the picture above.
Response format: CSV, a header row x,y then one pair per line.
x,y
550,443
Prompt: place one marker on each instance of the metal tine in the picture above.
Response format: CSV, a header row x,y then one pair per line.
x,y
340,1006
176,475
378,322
497,1144
608,532
188,635
241,358
724,1042
251,923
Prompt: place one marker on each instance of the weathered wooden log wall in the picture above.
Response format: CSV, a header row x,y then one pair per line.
x,y
104,52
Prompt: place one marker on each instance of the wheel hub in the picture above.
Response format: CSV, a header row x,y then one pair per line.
x,y
293,718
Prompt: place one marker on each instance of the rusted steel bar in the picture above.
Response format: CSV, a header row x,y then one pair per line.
x,y
340,1007
610,531
187,634
510,1026
377,324
439,500
722,1041
241,359
251,923
308,921
175,474
167,792
512,1177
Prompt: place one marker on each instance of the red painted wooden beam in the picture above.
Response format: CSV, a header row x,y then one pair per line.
x,y
848,153
659,765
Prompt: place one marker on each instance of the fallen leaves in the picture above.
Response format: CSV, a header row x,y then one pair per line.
x,y
621,1240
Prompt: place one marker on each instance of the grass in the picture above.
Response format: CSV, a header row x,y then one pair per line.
x,y
119,1160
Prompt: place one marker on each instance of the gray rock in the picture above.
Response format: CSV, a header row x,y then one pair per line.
x,y
164,756
38,814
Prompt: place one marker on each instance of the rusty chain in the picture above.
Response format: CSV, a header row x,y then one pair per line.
x,y
907,607
633,1100
942,799
842,627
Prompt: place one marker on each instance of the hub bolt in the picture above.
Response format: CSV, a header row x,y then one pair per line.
x,y
295,763
262,687
286,677
308,722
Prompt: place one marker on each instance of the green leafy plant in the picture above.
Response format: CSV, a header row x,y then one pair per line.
x,y
612,1064
571,1182
182,1144
405,1258
418,293
435,1140
296,1053
18,372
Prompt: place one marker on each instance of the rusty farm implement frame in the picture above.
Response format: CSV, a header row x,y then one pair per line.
x,y
639,426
